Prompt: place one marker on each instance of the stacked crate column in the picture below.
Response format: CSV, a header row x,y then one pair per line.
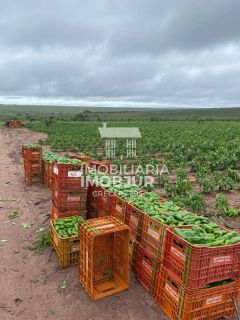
x,y
197,266
99,201
47,178
69,192
118,207
32,161
147,270
134,219
198,282
181,303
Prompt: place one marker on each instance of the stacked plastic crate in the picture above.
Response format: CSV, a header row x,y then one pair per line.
x,y
32,160
99,200
150,235
198,282
145,264
47,178
69,191
48,158
14,123
119,208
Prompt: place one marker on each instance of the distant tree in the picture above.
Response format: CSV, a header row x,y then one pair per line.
x,y
86,115
98,118
83,116
78,116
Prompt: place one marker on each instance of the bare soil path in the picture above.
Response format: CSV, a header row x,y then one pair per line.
x,y
30,284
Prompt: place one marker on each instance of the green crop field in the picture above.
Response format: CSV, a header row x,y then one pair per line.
x,y
203,158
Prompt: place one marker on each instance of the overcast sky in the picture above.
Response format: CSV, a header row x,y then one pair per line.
x,y
114,52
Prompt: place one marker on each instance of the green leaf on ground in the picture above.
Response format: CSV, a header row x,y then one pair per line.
x,y
41,242
14,214
26,225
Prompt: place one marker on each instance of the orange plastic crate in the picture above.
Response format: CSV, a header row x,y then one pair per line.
x,y
47,165
92,196
180,303
34,167
134,219
99,198
69,175
133,246
47,180
118,207
43,166
46,170
104,255
58,214
102,213
69,199
153,236
32,153
14,123
147,270
92,212
102,199
197,266
67,249
32,178
153,233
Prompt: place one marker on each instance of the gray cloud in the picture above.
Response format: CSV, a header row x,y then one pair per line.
x,y
165,52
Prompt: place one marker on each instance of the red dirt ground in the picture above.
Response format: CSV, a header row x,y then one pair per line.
x,y
31,284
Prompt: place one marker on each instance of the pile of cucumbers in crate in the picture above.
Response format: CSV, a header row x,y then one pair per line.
x,y
68,227
51,156
209,235
203,232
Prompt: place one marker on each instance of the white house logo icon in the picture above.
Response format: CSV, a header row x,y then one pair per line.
x,y
110,135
